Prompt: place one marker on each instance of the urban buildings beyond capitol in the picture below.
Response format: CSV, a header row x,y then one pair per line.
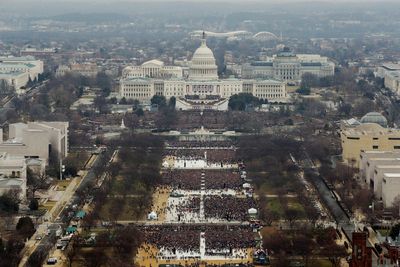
x,y
202,89
15,79
16,71
84,69
26,64
390,72
289,67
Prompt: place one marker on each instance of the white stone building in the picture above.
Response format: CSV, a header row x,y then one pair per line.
x,y
386,68
289,67
84,69
26,64
202,86
152,69
37,140
366,169
390,188
392,81
15,79
12,174
380,171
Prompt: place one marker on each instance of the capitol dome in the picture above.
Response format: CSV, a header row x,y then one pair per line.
x,y
203,52
203,66
374,117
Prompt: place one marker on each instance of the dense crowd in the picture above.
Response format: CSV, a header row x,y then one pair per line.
x,y
219,238
228,207
202,144
182,179
224,156
191,179
190,205
187,237
173,237
222,240
221,179
189,154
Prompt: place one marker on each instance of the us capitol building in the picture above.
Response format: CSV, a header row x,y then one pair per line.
x,y
201,89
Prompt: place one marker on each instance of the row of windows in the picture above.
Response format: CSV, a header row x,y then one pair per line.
x,y
137,85
268,90
173,94
377,147
269,95
204,72
136,95
374,138
141,90
268,86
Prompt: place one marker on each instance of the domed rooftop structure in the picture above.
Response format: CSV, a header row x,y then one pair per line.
x,y
375,117
202,66
203,52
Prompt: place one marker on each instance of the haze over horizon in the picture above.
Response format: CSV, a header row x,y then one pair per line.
x,y
47,8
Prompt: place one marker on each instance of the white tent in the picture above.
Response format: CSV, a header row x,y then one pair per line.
x,y
152,216
252,211
246,185
165,164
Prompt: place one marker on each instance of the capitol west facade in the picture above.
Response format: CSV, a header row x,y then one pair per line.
x,y
202,89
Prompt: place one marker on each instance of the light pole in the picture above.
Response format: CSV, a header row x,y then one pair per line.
x,y
62,168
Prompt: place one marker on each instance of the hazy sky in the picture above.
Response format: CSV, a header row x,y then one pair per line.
x,y
237,1
37,8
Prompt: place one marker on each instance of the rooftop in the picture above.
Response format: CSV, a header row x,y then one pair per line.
x,y
12,182
391,66
392,175
374,117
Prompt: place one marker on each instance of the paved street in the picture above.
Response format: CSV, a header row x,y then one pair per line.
x,y
69,196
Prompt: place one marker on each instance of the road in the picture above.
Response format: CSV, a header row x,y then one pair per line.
x,y
29,93
48,241
343,220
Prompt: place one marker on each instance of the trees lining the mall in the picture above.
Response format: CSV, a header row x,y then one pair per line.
x,y
309,243
135,172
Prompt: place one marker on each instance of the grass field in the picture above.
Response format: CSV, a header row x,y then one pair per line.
x,y
129,210
62,184
47,206
267,188
275,206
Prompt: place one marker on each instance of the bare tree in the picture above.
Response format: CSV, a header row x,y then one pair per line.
x,y
72,250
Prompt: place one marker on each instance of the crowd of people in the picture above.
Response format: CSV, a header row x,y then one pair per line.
x,y
170,237
221,179
189,154
196,198
182,179
191,179
190,205
224,156
228,207
201,144
220,239
187,237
